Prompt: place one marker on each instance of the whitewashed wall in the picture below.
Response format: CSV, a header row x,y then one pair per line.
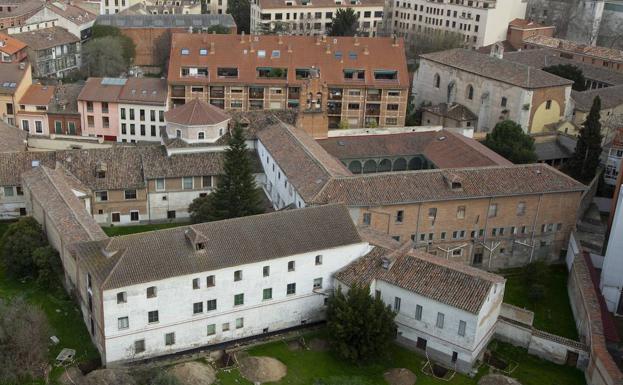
x,y
277,186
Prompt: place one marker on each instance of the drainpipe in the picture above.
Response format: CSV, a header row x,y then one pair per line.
x,y
538,209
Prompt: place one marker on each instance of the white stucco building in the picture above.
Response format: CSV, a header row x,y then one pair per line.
x,y
313,17
443,309
611,282
481,22
142,103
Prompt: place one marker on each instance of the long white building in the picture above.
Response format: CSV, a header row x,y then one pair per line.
x,y
481,22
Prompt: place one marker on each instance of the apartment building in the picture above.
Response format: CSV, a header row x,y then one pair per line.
x,y
63,115
11,49
98,106
55,51
309,17
142,103
480,22
445,310
15,78
33,107
150,7
341,81
493,88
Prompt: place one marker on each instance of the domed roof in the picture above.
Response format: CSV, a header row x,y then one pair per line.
x,y
196,113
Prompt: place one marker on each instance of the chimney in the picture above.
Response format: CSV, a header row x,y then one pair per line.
x,y
356,40
366,51
252,48
212,48
289,48
242,37
328,50
317,40
22,66
280,42
395,41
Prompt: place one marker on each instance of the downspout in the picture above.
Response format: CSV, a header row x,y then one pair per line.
x,y
538,208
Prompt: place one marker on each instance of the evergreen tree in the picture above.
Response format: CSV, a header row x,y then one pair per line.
x,y
360,327
583,164
344,23
17,245
236,194
509,140
571,72
240,10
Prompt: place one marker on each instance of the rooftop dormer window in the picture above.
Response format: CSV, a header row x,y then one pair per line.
x,y
203,52
185,51
200,246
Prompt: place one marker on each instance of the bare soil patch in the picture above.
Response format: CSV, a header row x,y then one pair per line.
x,y
194,373
262,369
497,379
400,376
108,377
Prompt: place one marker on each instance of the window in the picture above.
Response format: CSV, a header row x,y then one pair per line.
x,y
134,216
151,292
462,325
317,283
201,135
197,307
418,312
169,339
397,304
130,194
239,299
442,235
100,196
367,218
115,217
318,260
521,208
9,192
493,210
122,297
291,288
436,81
291,266
399,216
432,212
460,212
239,323
25,126
211,329
548,105
160,184
503,102
440,319
211,304
152,316
558,226
267,294
457,252
171,214
225,326
123,323
195,283
470,92
210,281
187,183
206,181
266,271
238,275
139,346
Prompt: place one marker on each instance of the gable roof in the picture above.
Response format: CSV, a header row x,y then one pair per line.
x,y
448,282
196,113
505,71
12,138
157,255
308,166
166,21
144,91
432,185
444,148
14,164
11,45
611,97
11,75
38,95
102,90
46,38
572,46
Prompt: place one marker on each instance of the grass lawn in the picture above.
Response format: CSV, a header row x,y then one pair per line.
x,y
125,230
63,315
305,366
553,313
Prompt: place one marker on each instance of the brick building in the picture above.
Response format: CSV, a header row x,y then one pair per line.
x,y
331,81
520,29
15,78
63,115
11,49
16,12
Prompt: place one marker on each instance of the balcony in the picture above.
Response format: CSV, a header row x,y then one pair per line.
x,y
272,73
256,93
373,109
335,93
178,91
374,95
334,108
294,93
217,92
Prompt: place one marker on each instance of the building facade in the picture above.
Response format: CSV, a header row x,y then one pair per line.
x,y
312,18
142,103
63,115
313,75
492,88
15,78
33,107
16,12
98,105
479,23
11,49
68,15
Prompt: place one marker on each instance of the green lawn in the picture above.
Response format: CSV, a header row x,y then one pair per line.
x,y
304,367
125,230
63,315
552,314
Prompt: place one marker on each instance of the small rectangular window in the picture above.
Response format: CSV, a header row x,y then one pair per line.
x,y
521,208
291,288
122,297
187,183
152,316
169,339
239,299
211,329
400,216
225,327
493,210
195,283
291,266
460,212
367,218
397,301
418,312
266,271
210,281
151,292
211,304
197,307
123,323
238,275
317,283
462,326
239,323
267,294
159,184
318,260
440,320
139,346
432,212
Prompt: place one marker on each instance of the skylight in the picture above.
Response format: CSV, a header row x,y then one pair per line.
x,y
276,53
261,53
203,52
352,55
185,51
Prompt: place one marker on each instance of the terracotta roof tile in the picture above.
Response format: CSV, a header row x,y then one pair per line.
x,y
14,164
38,95
572,46
102,90
611,97
46,38
196,113
158,255
10,45
12,138
11,75
144,91
268,4
499,69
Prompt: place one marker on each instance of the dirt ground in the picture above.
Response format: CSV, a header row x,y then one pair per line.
x,y
193,373
399,376
262,369
108,377
497,379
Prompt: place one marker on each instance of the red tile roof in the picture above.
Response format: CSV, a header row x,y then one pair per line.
x,y
10,45
196,113
38,95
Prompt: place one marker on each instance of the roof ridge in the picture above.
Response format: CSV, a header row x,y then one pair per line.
x,y
110,273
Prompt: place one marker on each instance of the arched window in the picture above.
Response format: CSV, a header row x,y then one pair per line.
x,y
178,133
385,165
470,92
400,164
355,167
437,80
369,166
201,135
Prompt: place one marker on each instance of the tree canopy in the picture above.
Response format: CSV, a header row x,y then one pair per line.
x,y
236,194
421,43
344,23
240,10
509,140
585,160
103,57
360,327
17,245
571,72
128,48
